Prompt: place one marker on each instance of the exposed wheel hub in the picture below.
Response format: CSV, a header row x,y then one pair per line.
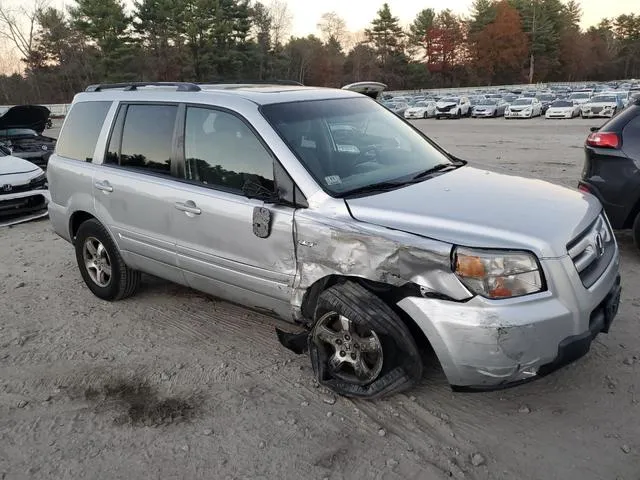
x,y
355,355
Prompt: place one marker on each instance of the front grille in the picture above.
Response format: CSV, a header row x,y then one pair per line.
x,y
592,251
39,185
444,109
596,109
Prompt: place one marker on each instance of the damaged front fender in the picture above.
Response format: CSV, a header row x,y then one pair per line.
x,y
334,246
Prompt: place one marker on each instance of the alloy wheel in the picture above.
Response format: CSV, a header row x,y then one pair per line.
x,y
97,261
355,352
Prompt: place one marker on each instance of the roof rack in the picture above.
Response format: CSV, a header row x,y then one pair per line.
x,y
254,82
130,86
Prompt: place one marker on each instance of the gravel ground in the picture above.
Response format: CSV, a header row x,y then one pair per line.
x,y
175,384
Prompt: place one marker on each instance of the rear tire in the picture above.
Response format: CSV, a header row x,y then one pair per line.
x,y
636,231
101,264
349,313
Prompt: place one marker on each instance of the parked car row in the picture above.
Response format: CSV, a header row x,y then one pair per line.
x,y
587,102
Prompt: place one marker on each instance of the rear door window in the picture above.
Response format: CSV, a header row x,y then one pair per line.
x,y
146,137
81,130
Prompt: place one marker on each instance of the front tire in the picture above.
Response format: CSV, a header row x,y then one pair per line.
x,y
359,347
101,264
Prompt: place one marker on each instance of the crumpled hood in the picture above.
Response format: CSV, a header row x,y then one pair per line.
x,y
25,116
477,208
445,104
10,165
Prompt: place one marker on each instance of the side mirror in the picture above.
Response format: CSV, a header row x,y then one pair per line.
x,y
253,189
594,129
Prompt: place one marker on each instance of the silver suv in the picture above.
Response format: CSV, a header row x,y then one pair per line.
x,y
322,207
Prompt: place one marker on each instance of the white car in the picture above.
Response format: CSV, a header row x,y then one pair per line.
x,y
524,108
562,109
421,110
605,105
23,190
580,97
453,107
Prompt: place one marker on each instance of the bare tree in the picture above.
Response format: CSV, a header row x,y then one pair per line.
x,y
352,39
332,25
281,19
18,26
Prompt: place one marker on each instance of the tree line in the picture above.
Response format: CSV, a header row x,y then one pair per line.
x,y
499,42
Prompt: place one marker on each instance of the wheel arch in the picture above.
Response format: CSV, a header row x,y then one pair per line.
x,y
390,294
78,218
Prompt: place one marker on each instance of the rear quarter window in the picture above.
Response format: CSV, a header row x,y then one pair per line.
x,y
81,130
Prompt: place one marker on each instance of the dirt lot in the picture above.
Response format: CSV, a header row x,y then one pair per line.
x,y
175,384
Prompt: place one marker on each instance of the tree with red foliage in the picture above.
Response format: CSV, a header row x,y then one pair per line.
x,y
501,47
444,43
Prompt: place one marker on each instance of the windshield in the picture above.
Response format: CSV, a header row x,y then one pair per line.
x,y
579,96
562,103
449,100
380,148
522,101
17,132
421,104
546,97
605,98
488,101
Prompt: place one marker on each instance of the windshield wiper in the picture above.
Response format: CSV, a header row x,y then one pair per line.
x,y
436,168
376,187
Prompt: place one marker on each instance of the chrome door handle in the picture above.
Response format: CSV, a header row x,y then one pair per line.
x,y
104,186
188,207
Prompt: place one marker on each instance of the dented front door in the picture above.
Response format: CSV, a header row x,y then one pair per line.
x,y
221,252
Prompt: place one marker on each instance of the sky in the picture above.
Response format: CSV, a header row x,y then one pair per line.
x,y
359,13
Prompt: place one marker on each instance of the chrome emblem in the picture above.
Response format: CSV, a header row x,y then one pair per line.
x,y
7,187
44,147
599,245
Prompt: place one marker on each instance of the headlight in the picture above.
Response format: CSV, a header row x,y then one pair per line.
x,y
527,110
39,182
498,273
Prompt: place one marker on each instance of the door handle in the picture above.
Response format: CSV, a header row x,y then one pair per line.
x,y
103,186
188,207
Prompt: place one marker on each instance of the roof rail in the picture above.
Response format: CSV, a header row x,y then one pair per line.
x,y
254,82
130,86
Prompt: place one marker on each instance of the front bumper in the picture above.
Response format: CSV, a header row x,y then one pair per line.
x,y
415,115
518,115
558,115
491,344
484,113
23,207
600,114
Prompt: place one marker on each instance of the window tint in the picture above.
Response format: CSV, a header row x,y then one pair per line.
x,y
146,138
631,138
81,130
221,151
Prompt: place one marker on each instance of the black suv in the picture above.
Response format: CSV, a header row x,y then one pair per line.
x,y
612,168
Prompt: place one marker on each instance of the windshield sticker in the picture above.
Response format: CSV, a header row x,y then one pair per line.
x,y
348,149
332,180
306,143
